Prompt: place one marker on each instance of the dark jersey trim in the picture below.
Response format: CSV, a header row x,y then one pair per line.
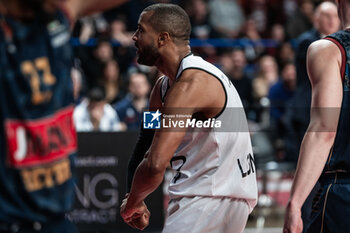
x,y
161,89
343,55
177,76
189,54
197,68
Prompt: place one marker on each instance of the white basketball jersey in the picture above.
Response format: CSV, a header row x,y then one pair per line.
x,y
215,162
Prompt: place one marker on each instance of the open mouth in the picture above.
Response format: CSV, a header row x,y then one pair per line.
x,y
137,49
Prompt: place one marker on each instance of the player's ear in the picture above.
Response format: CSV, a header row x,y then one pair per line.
x,y
163,38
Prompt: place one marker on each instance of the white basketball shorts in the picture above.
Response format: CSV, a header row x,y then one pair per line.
x,y
206,215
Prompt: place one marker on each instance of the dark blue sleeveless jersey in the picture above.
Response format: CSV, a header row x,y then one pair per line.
x,y
37,137
339,156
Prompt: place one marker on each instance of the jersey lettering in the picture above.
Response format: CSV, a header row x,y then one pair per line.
x,y
46,177
250,163
40,141
177,163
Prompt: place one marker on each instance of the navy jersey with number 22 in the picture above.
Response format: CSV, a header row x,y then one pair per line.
x,y
37,136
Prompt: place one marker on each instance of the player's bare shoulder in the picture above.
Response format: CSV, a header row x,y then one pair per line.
x,y
199,79
193,83
203,86
324,60
324,50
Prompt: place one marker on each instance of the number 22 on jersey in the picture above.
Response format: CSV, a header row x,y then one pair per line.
x,y
39,73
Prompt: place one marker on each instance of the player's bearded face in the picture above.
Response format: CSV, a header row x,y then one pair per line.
x,y
148,55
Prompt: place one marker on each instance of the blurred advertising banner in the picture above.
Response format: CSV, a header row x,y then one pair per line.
x,y
101,184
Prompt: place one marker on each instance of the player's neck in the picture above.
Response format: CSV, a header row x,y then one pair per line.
x,y
170,62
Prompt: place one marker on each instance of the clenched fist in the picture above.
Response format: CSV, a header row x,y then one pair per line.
x,y
135,216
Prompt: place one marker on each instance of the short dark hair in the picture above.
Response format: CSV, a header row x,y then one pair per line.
x,y
170,18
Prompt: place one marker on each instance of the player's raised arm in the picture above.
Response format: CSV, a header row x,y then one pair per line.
x,y
323,63
79,8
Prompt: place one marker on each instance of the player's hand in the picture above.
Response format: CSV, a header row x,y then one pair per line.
x,y
136,217
292,221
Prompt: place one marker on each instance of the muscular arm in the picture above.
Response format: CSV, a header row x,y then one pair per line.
x,y
323,63
146,135
184,94
79,8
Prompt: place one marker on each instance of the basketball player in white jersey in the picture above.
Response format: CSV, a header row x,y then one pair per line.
x,y
214,188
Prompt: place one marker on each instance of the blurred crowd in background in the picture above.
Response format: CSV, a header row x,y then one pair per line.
x,y
265,61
